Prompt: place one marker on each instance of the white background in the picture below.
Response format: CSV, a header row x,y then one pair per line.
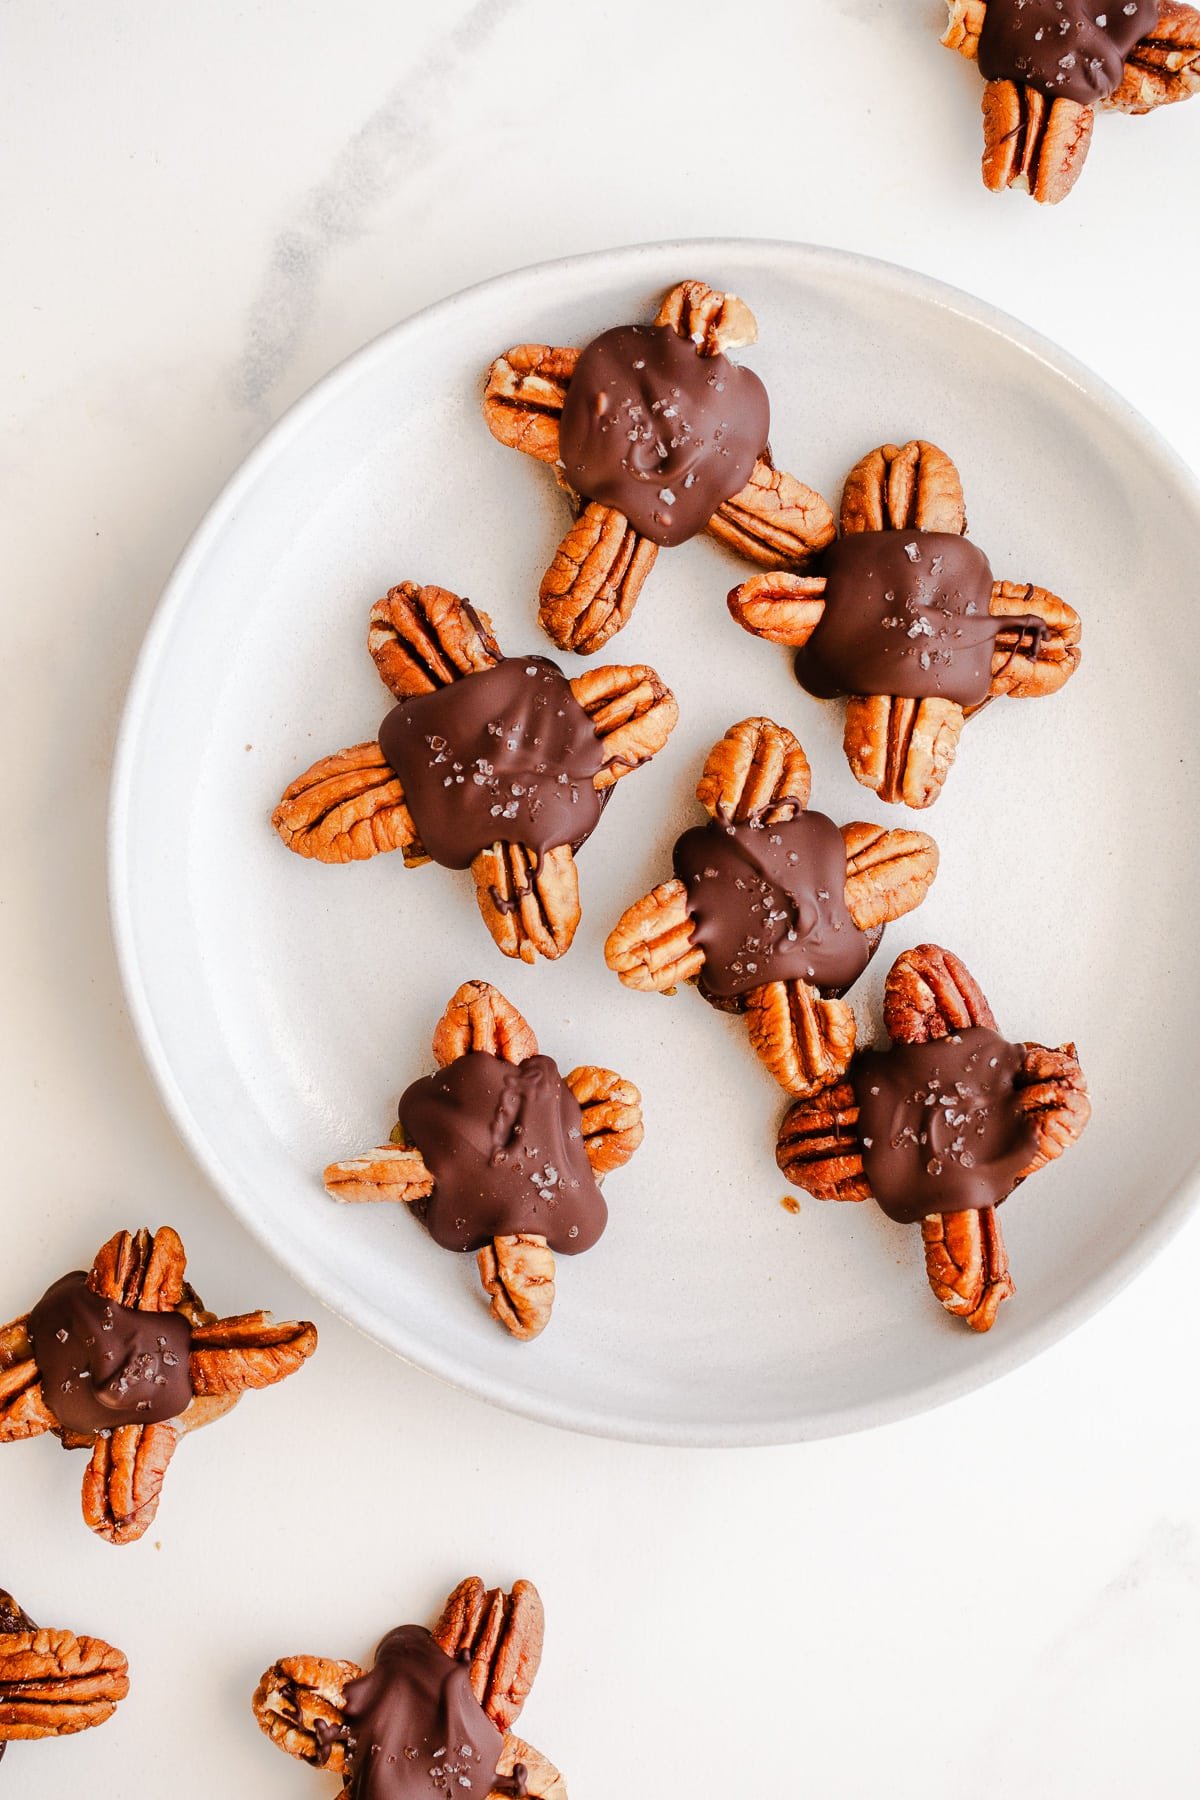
x,y
204,207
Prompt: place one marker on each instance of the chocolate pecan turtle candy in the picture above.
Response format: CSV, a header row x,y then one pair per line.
x,y
906,619
433,1714
773,911
123,1361
53,1683
940,1128
495,763
1048,64
534,1191
656,436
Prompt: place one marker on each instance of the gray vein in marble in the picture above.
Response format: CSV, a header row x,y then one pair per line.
x,y
401,136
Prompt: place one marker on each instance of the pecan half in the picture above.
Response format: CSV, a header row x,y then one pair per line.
x,y
964,26
775,520
888,873
1165,66
542,1780
501,1636
141,1269
1053,1095
523,399
295,1697
23,1411
1032,142
251,1350
479,1017
757,771
518,1273
818,1147
781,608
390,1172
902,749
929,993
909,487
346,808
805,1041
530,904
633,713
124,1478
423,638
715,322
591,588
53,1683
967,1265
612,1116
1015,671
650,947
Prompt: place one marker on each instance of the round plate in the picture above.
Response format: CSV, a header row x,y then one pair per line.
x,y
283,1005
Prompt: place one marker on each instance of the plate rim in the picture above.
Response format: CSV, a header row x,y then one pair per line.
x,y
622,260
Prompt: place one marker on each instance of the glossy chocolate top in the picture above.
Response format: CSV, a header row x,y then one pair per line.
x,y
413,1727
1067,49
506,756
104,1365
907,613
504,1144
940,1125
769,904
660,432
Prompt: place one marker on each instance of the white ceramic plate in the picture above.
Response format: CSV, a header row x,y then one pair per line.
x,y
283,1005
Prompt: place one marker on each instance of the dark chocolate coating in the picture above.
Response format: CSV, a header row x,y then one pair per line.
x,y
769,904
906,613
1066,49
104,1365
506,756
660,432
414,1728
939,1124
504,1144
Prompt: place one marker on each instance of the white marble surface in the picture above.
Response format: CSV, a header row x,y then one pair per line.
x,y
204,207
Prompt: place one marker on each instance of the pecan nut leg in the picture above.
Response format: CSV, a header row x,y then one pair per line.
x,y
633,713
123,1480
53,1683
775,520
591,587
1033,143
530,904
423,638
612,1116
1164,67
1019,669
523,399
805,1041
141,1269
346,808
757,772
1053,1095
778,607
23,1409
819,1148
714,321
390,1172
500,1635
650,948
478,1017
967,1265
541,1781
888,873
517,1273
907,487
930,993
300,1702
902,749
964,26
249,1351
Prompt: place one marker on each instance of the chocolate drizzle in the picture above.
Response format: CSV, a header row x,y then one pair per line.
x,y
1066,49
908,613
769,904
939,1123
504,1144
413,1727
660,432
505,756
104,1365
